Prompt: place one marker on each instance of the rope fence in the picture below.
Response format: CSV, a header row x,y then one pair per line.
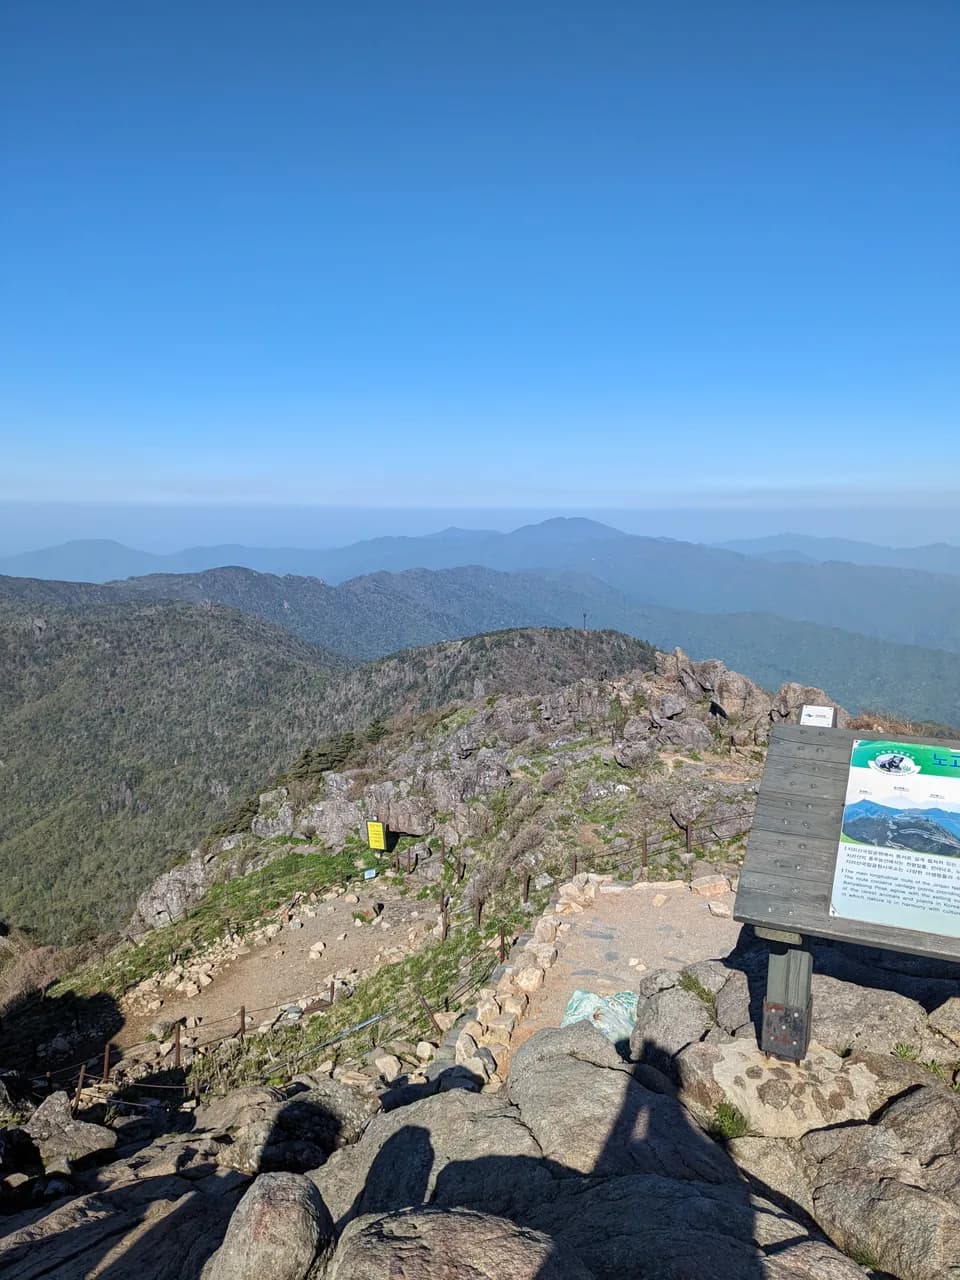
x,y
410,1013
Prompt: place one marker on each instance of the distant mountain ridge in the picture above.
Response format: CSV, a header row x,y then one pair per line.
x,y
935,557
104,560
374,615
903,605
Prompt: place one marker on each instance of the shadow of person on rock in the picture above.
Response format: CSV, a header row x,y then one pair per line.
x,y
399,1177
636,1189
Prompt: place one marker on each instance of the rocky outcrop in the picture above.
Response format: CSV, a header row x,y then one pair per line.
x,y
887,1192
266,1129
170,896
58,1141
438,786
577,1170
574,1169
740,709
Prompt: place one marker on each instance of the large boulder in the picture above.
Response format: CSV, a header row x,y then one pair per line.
x,y
850,1017
60,1141
452,1148
660,1228
667,1022
689,735
294,1131
588,1113
276,816
775,1099
739,699
402,811
280,1229
433,1244
330,820
169,897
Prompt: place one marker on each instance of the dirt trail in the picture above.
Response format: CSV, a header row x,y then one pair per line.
x,y
595,951
280,971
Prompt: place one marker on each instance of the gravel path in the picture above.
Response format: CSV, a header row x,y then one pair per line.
x,y
597,946
280,971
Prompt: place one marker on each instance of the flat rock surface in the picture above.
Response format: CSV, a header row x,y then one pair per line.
x,y
595,951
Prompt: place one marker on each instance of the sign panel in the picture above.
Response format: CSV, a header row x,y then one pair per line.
x,y
825,717
370,874
377,835
898,862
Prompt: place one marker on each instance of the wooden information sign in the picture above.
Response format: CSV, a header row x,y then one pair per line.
x,y
854,838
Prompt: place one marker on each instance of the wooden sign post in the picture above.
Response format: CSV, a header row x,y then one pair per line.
x,y
855,839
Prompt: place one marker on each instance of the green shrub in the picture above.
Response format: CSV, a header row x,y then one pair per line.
x,y
728,1122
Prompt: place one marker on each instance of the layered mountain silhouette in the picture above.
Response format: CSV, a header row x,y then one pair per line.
x,y
922,830
935,557
377,614
904,605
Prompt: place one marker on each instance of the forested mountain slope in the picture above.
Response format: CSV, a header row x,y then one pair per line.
x,y
122,730
376,615
126,731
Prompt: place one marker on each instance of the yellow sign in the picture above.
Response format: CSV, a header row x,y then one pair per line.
x,y
377,835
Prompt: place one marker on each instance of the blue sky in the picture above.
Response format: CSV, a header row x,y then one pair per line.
x,y
512,255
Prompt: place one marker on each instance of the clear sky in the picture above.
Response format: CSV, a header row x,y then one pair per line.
x,y
509,254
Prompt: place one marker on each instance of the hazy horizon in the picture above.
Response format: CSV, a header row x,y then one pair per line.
x,y
165,528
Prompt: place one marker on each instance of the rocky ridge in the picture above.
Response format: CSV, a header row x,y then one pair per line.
x,y
437,787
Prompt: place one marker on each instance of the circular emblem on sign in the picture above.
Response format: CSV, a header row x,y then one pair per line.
x,y
896,762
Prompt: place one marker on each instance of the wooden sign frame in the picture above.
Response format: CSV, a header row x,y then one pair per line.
x,y
787,875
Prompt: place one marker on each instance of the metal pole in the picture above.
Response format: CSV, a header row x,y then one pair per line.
x,y
106,1063
788,1006
429,1012
243,1021
503,945
176,1047
526,887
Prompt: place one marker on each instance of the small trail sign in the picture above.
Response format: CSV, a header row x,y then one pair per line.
x,y
377,835
820,717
